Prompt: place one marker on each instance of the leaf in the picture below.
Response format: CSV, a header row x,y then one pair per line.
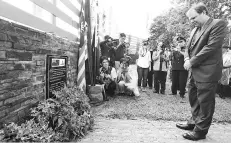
x,y
54,119
60,121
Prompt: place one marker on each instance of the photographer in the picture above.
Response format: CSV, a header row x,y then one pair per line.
x,y
120,50
107,77
107,49
143,65
160,58
179,74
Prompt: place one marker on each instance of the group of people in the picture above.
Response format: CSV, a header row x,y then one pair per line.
x,y
151,61
114,67
158,62
204,63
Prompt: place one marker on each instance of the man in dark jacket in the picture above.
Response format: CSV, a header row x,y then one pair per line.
x,y
120,50
179,74
203,58
107,50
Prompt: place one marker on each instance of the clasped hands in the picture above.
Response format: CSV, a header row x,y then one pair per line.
x,y
187,64
105,75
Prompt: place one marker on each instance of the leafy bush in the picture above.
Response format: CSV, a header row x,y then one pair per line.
x,y
65,118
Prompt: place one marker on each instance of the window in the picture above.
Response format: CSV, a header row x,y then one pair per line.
x,y
76,4
66,10
67,27
43,14
25,5
31,8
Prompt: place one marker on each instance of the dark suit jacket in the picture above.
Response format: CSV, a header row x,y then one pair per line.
x,y
104,49
177,60
205,53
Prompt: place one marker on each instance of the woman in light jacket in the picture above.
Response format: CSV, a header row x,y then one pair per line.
x,y
160,67
143,65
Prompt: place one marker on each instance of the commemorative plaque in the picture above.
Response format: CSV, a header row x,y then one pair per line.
x,y
56,74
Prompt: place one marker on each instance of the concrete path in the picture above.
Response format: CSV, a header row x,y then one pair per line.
x,y
146,131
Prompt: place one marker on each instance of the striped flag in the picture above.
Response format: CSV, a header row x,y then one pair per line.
x,y
83,53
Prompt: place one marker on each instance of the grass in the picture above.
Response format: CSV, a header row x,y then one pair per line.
x,y
157,107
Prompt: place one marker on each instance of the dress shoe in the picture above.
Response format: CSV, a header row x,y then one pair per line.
x,y
144,89
185,126
193,136
162,92
154,91
182,96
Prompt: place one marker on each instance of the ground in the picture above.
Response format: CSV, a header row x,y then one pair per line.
x,y
152,118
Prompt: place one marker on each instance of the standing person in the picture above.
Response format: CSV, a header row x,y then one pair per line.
x,y
179,74
160,58
143,64
150,73
106,48
203,57
224,81
120,50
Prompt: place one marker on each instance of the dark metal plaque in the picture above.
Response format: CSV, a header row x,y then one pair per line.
x,y
56,74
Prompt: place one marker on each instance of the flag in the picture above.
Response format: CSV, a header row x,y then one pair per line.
x,y
83,53
93,58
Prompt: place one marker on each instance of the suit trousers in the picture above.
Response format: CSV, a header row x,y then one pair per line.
x,y
150,73
202,102
150,78
179,81
160,80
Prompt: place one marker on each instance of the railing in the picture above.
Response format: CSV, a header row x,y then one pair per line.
x,y
60,17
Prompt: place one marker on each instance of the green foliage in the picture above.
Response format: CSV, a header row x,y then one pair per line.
x,y
65,118
174,22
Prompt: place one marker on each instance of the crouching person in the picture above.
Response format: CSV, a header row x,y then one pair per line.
x,y
107,77
126,85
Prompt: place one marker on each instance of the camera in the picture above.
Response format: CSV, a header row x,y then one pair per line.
x,y
104,70
112,42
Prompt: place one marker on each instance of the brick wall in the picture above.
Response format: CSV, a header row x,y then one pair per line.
x,y
23,67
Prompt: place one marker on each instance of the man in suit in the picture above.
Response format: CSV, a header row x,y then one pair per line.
x,y
203,59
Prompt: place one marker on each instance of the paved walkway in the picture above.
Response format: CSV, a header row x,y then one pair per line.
x,y
146,131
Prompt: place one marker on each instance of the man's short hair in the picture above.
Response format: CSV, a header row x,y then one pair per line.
x,y
200,8
122,35
125,60
180,39
106,37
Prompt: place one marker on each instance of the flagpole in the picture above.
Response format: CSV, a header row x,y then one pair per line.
x,y
88,19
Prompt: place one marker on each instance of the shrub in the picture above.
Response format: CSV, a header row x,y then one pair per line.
x,y
65,118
